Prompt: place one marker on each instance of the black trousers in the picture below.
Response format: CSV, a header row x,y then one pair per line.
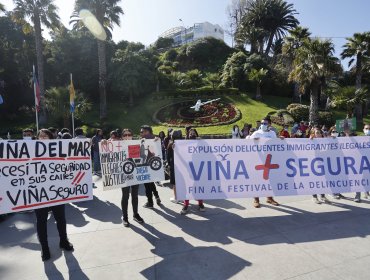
x,y
134,199
150,189
42,219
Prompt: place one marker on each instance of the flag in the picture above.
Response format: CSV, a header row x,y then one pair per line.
x,y
72,97
36,90
1,99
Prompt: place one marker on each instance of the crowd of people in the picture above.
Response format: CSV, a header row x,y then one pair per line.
x,y
262,129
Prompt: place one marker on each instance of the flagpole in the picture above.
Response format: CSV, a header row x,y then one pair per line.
x,y
36,105
73,117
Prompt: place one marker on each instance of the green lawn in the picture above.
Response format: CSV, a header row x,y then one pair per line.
x,y
120,115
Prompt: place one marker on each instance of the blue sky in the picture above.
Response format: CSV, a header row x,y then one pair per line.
x,y
145,20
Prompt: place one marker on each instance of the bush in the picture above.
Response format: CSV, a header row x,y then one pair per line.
x,y
205,91
326,118
298,111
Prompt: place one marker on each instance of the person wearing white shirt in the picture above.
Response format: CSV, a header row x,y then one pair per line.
x,y
263,132
236,133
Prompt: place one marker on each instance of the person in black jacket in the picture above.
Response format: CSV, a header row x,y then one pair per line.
x,y
59,215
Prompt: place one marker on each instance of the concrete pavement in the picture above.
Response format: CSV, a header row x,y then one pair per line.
x,y
297,240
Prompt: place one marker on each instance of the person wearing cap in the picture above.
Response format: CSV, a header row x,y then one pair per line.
x,y
264,132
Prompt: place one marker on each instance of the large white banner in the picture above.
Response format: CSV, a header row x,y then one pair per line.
x,y
131,162
215,169
38,174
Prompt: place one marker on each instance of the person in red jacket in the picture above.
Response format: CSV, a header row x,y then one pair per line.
x,y
285,132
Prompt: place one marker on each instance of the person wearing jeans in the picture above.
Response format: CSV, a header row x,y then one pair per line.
x,y
95,151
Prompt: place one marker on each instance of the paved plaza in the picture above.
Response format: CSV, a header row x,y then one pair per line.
x,y
231,240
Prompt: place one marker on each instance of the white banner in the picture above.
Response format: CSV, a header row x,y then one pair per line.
x,y
131,162
38,174
215,169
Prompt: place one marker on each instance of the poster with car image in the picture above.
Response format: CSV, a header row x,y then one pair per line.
x,y
130,162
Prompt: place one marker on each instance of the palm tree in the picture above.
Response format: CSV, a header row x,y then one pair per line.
x,y
57,102
291,44
274,16
357,48
313,63
107,12
42,12
349,97
257,76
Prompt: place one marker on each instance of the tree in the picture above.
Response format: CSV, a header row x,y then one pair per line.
x,y
132,74
257,76
57,103
163,43
107,12
291,44
2,7
357,48
42,12
213,79
313,63
235,11
349,97
233,73
272,18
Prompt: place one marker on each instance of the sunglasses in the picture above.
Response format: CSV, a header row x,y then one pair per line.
x,y
265,123
127,135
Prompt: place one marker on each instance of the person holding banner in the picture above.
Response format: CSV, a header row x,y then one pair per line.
x,y
264,132
317,133
127,135
146,132
367,194
59,215
193,134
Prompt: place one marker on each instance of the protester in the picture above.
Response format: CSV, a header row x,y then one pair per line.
x,y
175,135
236,133
79,133
317,133
95,151
258,124
285,132
146,132
54,131
264,132
357,198
193,134
28,134
59,215
113,136
245,130
162,136
270,127
127,135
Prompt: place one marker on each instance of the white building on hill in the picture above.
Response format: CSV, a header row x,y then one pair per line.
x,y
182,35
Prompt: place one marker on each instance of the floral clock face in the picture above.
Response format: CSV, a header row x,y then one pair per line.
x,y
180,114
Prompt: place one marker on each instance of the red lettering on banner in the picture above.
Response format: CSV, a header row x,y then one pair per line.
x,y
49,202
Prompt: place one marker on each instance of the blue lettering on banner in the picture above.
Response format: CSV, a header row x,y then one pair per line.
x,y
221,171
326,166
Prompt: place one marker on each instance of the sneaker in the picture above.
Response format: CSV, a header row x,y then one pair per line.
x,y
357,200
201,207
184,210
66,245
316,200
125,222
325,200
158,200
148,205
94,186
138,219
